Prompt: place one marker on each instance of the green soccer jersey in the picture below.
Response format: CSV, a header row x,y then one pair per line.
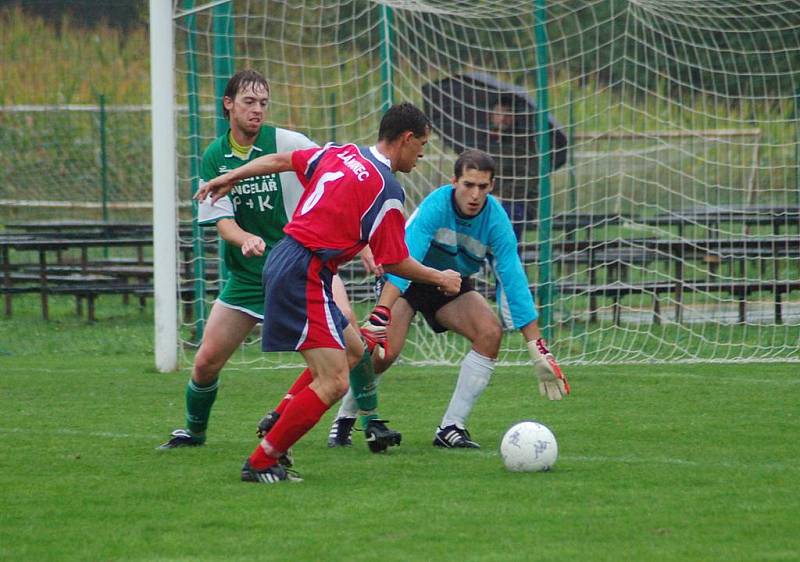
x,y
260,205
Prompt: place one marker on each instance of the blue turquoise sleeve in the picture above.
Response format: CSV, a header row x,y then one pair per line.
x,y
420,230
515,301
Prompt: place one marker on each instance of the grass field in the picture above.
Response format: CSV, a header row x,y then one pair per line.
x,y
656,463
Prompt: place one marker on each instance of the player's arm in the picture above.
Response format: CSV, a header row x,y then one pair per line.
x,y
513,281
368,261
232,233
267,164
389,295
404,268
448,281
419,232
374,329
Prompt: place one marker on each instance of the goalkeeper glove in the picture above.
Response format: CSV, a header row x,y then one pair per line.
x,y
374,330
552,382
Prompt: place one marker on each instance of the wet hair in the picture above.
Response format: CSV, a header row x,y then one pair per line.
x,y
401,118
244,80
472,159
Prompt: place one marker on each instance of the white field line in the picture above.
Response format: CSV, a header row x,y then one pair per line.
x,y
671,375
592,459
716,379
156,439
600,459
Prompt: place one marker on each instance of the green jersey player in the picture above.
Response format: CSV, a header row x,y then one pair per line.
x,y
250,220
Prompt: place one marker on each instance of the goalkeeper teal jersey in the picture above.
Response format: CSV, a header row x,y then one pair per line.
x,y
440,237
260,205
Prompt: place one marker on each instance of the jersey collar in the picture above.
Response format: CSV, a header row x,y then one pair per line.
x,y
228,150
380,157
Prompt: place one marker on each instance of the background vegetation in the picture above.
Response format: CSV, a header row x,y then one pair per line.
x,y
84,54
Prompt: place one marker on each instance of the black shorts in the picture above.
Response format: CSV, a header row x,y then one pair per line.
x,y
427,299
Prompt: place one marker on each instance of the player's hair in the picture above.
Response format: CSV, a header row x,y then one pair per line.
x,y
401,118
244,80
473,159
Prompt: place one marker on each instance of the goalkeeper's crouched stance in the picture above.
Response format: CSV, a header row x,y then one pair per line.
x,y
459,226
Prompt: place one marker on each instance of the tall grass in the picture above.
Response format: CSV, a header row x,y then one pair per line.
x,y
67,64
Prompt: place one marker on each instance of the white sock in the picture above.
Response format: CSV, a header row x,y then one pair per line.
x,y
348,408
476,370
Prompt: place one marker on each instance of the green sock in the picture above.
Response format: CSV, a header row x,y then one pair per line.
x,y
199,400
363,419
364,384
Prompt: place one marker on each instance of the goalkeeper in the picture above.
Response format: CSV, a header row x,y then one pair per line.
x,y
460,226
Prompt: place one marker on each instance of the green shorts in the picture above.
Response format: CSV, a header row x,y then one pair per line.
x,y
244,296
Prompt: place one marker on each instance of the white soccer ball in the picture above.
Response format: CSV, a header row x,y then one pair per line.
x,y
529,447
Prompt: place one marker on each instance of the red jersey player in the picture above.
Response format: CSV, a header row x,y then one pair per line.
x,y
351,199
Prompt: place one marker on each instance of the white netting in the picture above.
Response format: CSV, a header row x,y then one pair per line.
x,y
675,207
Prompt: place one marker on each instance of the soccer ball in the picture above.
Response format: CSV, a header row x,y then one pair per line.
x,y
529,446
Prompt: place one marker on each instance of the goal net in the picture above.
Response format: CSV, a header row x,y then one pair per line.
x,y
663,222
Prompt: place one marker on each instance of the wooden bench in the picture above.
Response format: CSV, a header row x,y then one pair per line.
x,y
45,281
741,289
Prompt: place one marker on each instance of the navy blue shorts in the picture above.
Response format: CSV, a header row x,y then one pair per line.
x,y
299,312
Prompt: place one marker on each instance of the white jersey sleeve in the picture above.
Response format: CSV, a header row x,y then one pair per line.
x,y
288,141
208,214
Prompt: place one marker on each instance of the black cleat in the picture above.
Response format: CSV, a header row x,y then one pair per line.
x,y
454,437
266,423
181,438
379,437
341,432
272,475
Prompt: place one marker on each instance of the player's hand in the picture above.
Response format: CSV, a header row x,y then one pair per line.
x,y
216,188
451,282
374,331
368,261
552,381
253,246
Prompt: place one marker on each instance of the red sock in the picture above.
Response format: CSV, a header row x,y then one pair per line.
x,y
260,460
302,413
302,381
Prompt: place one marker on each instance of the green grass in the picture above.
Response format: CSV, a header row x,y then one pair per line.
x,y
689,462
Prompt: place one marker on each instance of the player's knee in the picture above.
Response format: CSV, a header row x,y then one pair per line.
x,y
488,342
338,385
331,386
206,366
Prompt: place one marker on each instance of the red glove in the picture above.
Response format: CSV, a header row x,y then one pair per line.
x,y
374,330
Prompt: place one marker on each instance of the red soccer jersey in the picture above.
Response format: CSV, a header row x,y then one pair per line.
x,y
351,199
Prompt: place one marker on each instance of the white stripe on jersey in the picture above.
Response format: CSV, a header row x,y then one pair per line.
x,y
316,157
449,237
412,217
387,206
